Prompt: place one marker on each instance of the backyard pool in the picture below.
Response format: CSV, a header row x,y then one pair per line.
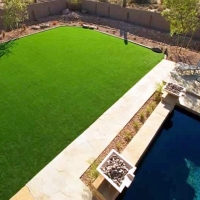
x,y
171,168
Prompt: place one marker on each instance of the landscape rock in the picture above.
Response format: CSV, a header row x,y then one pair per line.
x,y
157,50
115,169
65,12
35,27
45,25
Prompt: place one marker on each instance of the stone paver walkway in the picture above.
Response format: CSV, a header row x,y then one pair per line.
x,y
60,179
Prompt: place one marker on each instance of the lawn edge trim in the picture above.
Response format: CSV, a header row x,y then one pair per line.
x,y
131,41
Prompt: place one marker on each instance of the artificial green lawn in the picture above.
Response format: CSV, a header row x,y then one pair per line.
x,y
54,85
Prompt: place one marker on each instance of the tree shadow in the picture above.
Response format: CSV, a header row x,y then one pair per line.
x,y
5,48
183,58
170,169
124,35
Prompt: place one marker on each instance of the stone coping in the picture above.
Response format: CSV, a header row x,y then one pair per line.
x,y
141,141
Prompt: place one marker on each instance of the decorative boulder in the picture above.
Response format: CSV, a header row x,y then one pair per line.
x,y
65,12
35,27
85,26
156,49
44,25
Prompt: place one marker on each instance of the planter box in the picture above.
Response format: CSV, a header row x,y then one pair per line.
x,y
127,178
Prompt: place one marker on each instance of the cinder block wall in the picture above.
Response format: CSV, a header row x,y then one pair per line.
x,y
45,9
139,17
39,10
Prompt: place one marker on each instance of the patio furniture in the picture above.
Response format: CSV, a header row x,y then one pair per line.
x,y
186,69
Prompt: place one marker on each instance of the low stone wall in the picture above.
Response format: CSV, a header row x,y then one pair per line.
x,y
144,18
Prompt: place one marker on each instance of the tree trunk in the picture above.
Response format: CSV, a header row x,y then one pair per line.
x,y
177,43
124,3
190,40
182,43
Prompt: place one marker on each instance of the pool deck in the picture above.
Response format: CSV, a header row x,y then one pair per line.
x,y
191,99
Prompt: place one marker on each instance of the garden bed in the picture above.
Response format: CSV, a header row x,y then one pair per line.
x,y
123,138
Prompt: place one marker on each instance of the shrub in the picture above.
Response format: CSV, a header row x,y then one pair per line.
x,y
93,173
142,117
148,110
136,125
128,136
153,105
118,146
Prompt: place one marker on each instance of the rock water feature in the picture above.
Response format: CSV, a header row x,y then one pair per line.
x,y
117,170
174,89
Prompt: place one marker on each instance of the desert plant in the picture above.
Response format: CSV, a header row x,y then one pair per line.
x,y
159,88
153,105
128,136
118,146
15,12
93,173
148,110
157,97
142,117
136,125
3,33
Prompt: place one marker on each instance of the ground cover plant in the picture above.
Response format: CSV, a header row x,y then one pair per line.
x,y
54,85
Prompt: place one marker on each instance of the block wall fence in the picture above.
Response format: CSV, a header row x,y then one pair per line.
x,y
147,19
143,18
39,10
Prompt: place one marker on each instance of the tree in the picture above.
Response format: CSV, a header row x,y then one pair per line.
x,y
182,16
15,12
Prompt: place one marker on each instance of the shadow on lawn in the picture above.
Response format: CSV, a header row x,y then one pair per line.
x,y
5,48
124,34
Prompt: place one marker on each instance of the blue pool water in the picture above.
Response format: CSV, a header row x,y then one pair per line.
x,y
170,170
